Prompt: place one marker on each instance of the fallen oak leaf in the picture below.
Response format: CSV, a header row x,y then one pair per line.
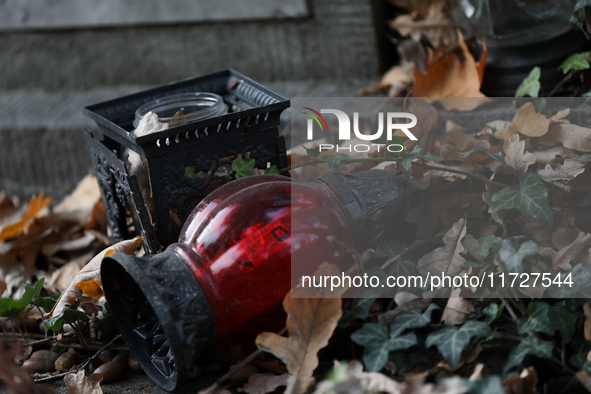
x,y
91,272
35,206
78,383
515,155
310,324
560,174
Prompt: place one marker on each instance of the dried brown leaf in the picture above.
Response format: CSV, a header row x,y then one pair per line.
x,y
560,175
577,252
35,206
584,379
264,383
310,324
92,288
458,310
515,155
446,259
91,272
571,136
84,197
523,383
454,74
394,81
78,383
357,381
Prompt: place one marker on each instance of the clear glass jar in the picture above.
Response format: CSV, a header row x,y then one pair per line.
x,y
195,107
514,22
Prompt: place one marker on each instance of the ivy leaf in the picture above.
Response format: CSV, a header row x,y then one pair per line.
x,y
487,242
581,288
360,307
541,107
312,152
273,170
577,61
530,86
532,199
374,337
334,161
46,303
488,385
392,248
496,156
411,319
513,258
451,341
562,320
5,306
574,19
530,345
581,159
493,312
243,168
581,347
417,153
30,292
68,316
564,385
369,333
537,320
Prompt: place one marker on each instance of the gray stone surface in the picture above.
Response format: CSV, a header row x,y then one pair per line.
x,y
41,140
337,41
42,14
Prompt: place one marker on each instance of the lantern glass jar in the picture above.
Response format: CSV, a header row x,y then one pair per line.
x,y
514,22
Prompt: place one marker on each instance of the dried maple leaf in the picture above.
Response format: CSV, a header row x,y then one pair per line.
x,y
35,206
310,324
264,383
453,75
446,259
91,271
515,157
80,384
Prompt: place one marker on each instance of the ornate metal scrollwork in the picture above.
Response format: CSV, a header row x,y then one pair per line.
x,y
184,186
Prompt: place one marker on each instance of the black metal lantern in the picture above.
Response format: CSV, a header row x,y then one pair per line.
x,y
206,147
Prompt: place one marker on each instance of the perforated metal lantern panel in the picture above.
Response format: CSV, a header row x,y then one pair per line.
x,y
208,147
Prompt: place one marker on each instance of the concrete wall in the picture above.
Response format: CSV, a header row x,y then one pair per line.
x,y
337,41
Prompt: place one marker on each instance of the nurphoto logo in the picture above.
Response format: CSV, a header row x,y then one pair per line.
x,y
345,128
